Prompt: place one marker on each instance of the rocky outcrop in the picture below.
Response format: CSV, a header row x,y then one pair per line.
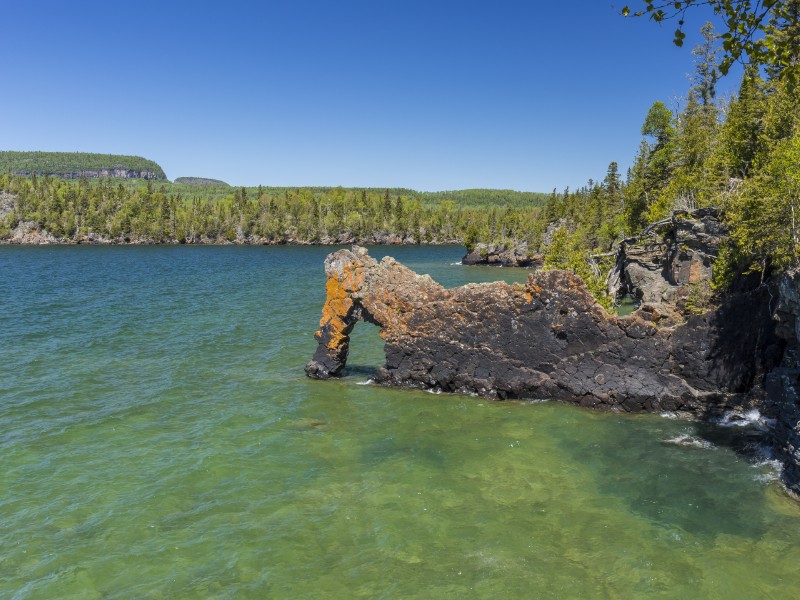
x,y
502,255
29,232
8,203
783,383
547,338
555,226
663,263
120,172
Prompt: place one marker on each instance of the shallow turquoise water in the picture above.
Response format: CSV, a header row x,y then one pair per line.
x,y
158,439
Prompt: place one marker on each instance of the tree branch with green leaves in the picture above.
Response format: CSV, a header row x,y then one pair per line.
x,y
760,32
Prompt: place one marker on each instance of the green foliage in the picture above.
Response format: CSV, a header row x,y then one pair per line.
x,y
70,164
700,297
567,251
658,123
471,237
165,212
487,198
742,155
200,181
742,138
766,32
765,213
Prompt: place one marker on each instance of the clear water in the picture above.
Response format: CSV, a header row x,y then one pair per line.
x,y
627,305
158,439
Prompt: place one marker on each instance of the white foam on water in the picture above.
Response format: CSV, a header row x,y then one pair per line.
x,y
457,264
691,441
536,400
752,417
369,381
769,466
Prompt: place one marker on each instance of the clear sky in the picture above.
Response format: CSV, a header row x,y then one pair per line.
x,y
429,95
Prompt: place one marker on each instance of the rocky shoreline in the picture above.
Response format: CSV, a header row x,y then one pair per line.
x,y
698,355
503,255
116,172
28,233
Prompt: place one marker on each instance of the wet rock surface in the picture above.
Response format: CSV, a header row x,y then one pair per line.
x,y
547,338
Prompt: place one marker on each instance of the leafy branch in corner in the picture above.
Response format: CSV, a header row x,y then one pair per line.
x,y
761,32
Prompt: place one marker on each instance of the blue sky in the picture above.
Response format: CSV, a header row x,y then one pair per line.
x,y
432,95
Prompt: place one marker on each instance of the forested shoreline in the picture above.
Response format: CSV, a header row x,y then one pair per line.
x,y
166,213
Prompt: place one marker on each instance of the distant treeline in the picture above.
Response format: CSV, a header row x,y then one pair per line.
x,y
69,163
168,212
200,181
488,198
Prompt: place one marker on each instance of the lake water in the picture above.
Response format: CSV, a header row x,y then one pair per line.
x,y
158,439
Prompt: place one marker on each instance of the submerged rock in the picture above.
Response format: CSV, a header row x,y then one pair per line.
x,y
547,338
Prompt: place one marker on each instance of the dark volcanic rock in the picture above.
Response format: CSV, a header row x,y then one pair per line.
x,y
545,339
502,255
783,383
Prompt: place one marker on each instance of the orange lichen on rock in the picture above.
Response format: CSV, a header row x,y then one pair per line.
x,y
547,338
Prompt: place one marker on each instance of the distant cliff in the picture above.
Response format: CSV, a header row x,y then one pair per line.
x,y
74,165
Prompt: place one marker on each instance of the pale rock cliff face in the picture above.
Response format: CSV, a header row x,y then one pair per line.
x,y
28,232
97,173
7,204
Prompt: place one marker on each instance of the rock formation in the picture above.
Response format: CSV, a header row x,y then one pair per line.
x,y
668,257
119,172
8,203
547,338
504,255
783,383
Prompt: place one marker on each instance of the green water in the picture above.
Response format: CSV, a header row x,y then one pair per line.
x,y
158,439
